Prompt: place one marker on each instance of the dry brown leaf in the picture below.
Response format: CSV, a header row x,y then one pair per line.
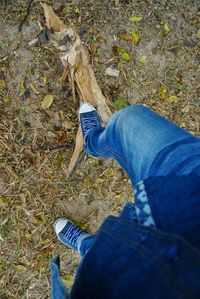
x,y
29,156
67,124
52,20
127,37
61,137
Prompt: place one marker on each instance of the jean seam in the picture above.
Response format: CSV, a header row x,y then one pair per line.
x,y
112,150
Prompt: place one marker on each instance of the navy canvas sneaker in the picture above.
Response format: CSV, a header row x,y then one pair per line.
x,y
70,234
89,118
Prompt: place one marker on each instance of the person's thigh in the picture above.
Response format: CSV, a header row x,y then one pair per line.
x,y
146,144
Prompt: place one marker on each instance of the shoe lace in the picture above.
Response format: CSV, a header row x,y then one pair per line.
x,y
89,123
72,234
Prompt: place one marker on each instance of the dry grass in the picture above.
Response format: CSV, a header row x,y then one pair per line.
x,y
35,146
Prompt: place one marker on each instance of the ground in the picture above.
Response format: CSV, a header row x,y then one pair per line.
x,y
160,70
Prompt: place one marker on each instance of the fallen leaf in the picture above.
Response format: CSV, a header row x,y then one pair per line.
x,y
115,50
135,36
29,156
4,201
22,15
47,101
163,92
52,20
7,100
143,59
172,99
20,268
198,34
2,84
82,225
68,279
116,2
166,28
112,72
54,117
23,85
110,172
61,137
59,161
124,55
135,19
33,17
121,103
127,37
92,47
34,89
67,124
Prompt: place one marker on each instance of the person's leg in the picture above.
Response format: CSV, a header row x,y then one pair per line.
x,y
73,236
145,144
86,244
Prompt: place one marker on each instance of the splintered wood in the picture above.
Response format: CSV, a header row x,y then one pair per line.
x,y
75,59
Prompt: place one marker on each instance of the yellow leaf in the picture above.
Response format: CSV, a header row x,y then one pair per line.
x,y
45,79
7,100
2,84
77,10
143,59
23,85
33,17
166,28
163,92
198,34
47,101
110,172
99,181
124,55
135,36
22,16
116,2
172,99
135,19
68,279
84,226
20,268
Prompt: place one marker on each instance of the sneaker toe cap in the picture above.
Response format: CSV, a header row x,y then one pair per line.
x,y
60,224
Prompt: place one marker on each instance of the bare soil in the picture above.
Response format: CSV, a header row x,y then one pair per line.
x,y
36,144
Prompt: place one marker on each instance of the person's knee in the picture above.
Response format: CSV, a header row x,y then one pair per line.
x,y
134,111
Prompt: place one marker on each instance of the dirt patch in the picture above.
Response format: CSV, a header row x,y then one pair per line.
x,y
35,145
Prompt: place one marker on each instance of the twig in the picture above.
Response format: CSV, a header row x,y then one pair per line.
x,y
47,147
27,14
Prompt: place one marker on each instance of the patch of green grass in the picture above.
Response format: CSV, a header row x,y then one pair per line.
x,y
121,104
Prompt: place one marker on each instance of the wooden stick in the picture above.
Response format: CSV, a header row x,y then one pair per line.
x,y
75,59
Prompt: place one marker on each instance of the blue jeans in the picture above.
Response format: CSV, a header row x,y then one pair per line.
x,y
146,145
152,250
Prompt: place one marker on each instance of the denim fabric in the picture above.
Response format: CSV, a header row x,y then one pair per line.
x,y
86,244
175,205
145,144
129,261
58,289
128,258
